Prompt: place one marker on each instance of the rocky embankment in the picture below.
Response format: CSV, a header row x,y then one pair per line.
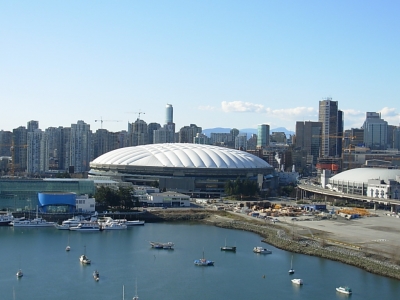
x,y
277,236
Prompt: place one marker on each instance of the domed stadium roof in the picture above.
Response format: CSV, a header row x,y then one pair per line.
x,y
181,156
363,174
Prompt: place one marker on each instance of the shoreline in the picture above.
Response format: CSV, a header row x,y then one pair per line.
x,y
277,236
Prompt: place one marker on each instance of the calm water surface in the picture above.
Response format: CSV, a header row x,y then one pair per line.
x,y
124,257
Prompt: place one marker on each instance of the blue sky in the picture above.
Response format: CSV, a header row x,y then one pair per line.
x,y
219,63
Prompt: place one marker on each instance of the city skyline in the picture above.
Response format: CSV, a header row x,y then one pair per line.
x,y
220,64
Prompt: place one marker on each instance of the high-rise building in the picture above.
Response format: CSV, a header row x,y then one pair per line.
x,y
375,131
241,142
331,119
32,126
151,127
5,143
308,138
263,135
37,152
80,147
138,133
19,152
187,133
169,114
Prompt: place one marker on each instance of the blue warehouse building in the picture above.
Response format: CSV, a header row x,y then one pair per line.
x,y
57,202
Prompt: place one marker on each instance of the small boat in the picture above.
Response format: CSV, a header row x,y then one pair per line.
x,y
203,262
165,246
297,281
84,259
36,222
291,270
261,250
130,223
19,273
344,290
228,248
6,219
61,227
86,227
68,248
74,221
96,275
113,226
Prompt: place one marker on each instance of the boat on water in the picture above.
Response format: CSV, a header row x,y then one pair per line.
x,y
228,248
130,223
165,246
86,226
261,250
36,222
291,270
6,219
62,226
19,273
84,259
344,290
297,281
113,226
96,275
74,221
203,262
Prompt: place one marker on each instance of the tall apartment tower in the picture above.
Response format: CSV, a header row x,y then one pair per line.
x,y
38,152
262,135
169,114
80,147
375,131
331,119
32,126
169,124
19,152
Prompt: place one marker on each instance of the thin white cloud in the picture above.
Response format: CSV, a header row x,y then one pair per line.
x,y
240,106
207,108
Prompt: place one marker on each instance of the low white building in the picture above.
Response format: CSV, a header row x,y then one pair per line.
x,y
85,204
168,199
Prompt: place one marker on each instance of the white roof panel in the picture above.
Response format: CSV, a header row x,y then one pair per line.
x,y
181,156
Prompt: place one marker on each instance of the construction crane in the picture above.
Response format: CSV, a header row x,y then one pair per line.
x,y
139,113
101,121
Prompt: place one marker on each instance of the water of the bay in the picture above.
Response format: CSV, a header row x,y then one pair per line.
x,y
124,257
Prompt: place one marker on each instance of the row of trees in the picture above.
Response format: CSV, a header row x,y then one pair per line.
x,y
241,187
121,199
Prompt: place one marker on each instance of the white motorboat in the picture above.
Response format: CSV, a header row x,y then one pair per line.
x,y
130,223
84,259
344,290
297,281
19,273
86,227
261,250
62,226
74,221
6,219
113,226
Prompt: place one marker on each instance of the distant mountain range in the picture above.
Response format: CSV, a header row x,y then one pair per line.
x,y
249,131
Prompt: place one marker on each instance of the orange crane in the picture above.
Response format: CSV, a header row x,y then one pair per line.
x,y
101,121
